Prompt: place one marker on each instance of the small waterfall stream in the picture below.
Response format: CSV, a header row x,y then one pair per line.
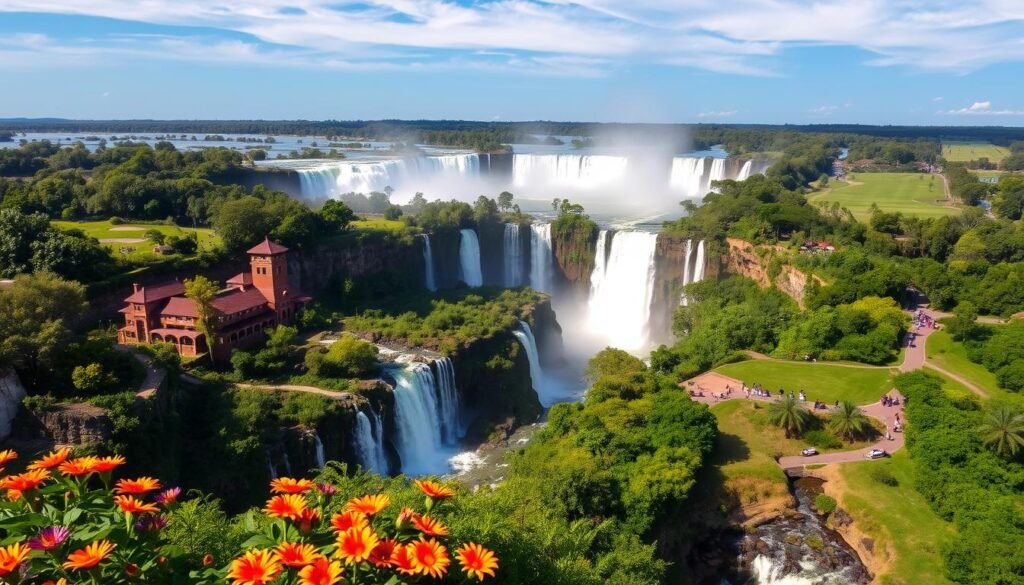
x,y
321,458
427,415
513,254
451,427
369,441
469,258
540,257
525,336
428,264
698,268
621,288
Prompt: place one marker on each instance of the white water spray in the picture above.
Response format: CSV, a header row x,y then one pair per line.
x,y
369,440
745,171
577,171
540,257
448,396
513,256
525,336
469,258
698,268
621,288
321,458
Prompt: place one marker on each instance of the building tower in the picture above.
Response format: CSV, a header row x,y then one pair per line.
x,y
269,262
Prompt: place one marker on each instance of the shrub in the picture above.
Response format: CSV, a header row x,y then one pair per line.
x,y
822,439
115,220
244,364
350,357
39,402
883,475
825,504
156,236
92,379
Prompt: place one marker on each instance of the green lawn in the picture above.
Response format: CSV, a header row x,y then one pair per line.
x,y
952,356
964,151
907,193
379,224
820,381
105,230
898,519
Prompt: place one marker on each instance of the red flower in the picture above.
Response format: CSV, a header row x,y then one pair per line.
x,y
137,486
429,526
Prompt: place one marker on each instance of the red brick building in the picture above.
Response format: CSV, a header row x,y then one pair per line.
x,y
253,301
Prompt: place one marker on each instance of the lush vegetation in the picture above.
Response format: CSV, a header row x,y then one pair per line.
x,y
966,151
826,382
914,194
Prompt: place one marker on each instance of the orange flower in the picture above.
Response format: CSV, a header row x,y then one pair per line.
x,y
137,486
429,526
401,559
307,519
61,581
381,555
296,554
51,459
368,505
356,544
255,567
434,490
321,572
287,485
78,467
289,507
342,521
90,556
11,557
476,560
105,464
429,557
7,455
132,505
24,482
13,495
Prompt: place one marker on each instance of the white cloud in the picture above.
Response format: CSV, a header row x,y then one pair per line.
x,y
982,109
937,99
823,110
566,37
721,114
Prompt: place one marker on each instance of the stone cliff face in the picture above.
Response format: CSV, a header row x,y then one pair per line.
x,y
72,424
574,246
320,269
669,269
753,262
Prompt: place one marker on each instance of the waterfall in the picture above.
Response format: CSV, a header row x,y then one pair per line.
x,y
540,257
323,178
600,260
369,442
525,336
448,394
745,171
698,268
513,256
717,171
621,288
428,262
270,463
686,271
688,176
580,171
321,458
287,463
469,258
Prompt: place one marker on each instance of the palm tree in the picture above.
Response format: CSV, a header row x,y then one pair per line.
x,y
848,421
1003,430
788,413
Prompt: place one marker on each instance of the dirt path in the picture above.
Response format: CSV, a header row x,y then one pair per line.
x,y
154,376
767,358
335,394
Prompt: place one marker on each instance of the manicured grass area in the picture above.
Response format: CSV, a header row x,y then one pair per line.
x,y
908,193
897,518
105,230
379,224
952,356
964,151
827,382
747,444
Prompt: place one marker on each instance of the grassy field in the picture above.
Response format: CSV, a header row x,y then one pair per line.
x,y
827,382
103,230
907,193
897,518
964,151
952,356
379,224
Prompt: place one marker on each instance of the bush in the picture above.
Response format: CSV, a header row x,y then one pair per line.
x,y
825,504
154,235
822,439
115,220
883,475
244,364
39,402
92,379
350,357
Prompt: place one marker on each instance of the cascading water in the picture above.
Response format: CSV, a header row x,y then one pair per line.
x,y
513,256
621,288
469,258
686,271
717,172
699,265
325,179
525,336
745,171
540,257
448,395
270,464
579,171
688,175
369,441
428,264
287,464
418,432
321,458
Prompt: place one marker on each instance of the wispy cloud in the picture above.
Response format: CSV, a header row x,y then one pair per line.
x,y
823,110
721,114
564,37
982,109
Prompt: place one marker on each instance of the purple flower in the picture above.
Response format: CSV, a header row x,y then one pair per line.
x,y
49,538
326,489
168,496
151,523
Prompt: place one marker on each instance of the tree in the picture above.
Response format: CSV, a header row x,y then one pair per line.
x,y
92,379
35,317
1003,431
823,180
349,357
505,200
242,222
336,215
202,291
393,212
789,414
848,421
962,326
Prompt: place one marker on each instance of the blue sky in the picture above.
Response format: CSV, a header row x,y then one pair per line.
x,y
939,62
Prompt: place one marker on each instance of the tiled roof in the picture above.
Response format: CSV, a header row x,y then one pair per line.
x,y
148,294
179,307
242,278
268,248
239,300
